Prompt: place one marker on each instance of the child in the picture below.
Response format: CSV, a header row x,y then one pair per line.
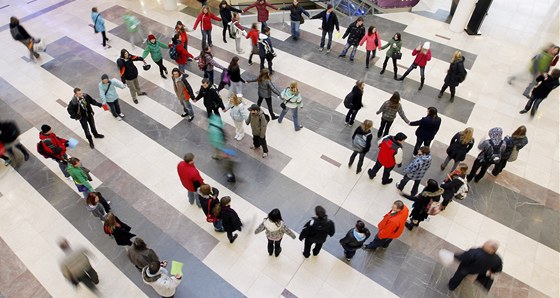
x,y
238,32
238,113
253,34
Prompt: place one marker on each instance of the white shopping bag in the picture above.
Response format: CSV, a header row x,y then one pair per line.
x,y
446,257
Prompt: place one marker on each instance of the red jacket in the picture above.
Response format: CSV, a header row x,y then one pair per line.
x,y
253,34
183,33
370,41
421,58
55,146
206,20
392,225
183,53
188,174
387,150
262,12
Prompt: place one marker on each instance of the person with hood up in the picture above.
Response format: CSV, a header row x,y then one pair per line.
x,y
225,13
423,55
423,204
390,227
262,11
456,74
212,100
315,231
373,42
205,18
257,120
514,143
141,256
354,239
329,21
129,73
153,48
158,278
491,151
190,177
295,17
54,147
109,96
80,109
20,34
97,205
230,219
274,228
208,198
99,26
355,33
390,154
416,170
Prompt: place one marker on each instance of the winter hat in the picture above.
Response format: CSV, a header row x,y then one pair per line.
x,y
45,128
151,36
104,77
254,107
400,136
239,95
495,135
426,45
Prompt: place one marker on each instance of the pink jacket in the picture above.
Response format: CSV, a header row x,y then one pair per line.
x,y
370,41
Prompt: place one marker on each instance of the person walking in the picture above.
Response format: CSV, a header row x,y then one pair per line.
x,y
9,138
20,34
141,256
119,230
389,155
235,78
109,96
373,42
291,99
76,268
80,176
265,90
540,65
424,204
546,83
361,143
491,151
514,143
455,185
456,74
208,198
295,17
315,231
133,27
266,51
354,239
461,143
183,54
253,34
53,147
423,55
354,32
357,94
390,227
184,92
153,48
258,121
238,113
416,170
208,64
329,21
129,73
158,278
388,111
97,205
80,109
216,136
393,52
99,26
212,100
190,177
205,18
482,261
230,219
262,11
427,129
225,14
274,228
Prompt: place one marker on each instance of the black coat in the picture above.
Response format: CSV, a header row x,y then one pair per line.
x,y
456,73
354,34
225,13
230,219
316,230
457,150
360,131
121,234
422,204
477,261
211,97
9,132
330,24
77,111
127,68
546,85
204,201
451,187
357,94
427,127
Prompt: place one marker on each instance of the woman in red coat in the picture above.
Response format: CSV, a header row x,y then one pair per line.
x,y
423,55
182,54
262,12
205,18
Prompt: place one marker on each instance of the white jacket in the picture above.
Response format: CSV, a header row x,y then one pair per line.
x,y
162,283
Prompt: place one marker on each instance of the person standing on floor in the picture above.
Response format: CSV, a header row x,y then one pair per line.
x,y
258,121
274,228
190,177
80,176
329,21
119,230
546,83
184,92
76,268
97,205
99,26
230,219
423,55
516,142
291,99
491,151
181,29
212,100
183,55
482,261
238,113
388,111
20,34
355,33
456,74
357,93
295,17
109,96
208,64
265,90
427,129
315,231
238,31
423,204
9,138
253,34
416,170
373,42
394,52
141,256
262,11
235,78
225,13
540,65
266,51
158,278
390,154
455,185
390,227
153,48
361,143
208,198
205,18
129,73
354,239
133,27
80,109
53,147
461,143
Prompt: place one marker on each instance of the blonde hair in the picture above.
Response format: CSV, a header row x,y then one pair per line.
x,y
466,136
463,168
235,100
360,84
457,57
203,7
293,87
367,125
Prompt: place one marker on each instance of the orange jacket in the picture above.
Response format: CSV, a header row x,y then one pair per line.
x,y
392,225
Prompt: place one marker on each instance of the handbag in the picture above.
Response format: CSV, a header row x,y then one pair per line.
x,y
284,101
397,55
95,23
514,153
225,77
301,20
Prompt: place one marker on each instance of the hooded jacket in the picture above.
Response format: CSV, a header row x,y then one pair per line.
x,y
262,12
189,176
258,124
55,146
154,50
422,203
354,33
369,136
485,146
354,239
127,68
456,73
265,46
161,282
317,229
274,231
418,167
390,152
392,224
205,20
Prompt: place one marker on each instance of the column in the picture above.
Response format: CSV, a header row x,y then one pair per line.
x,y
462,15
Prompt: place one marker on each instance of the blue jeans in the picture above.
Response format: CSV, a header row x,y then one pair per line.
x,y
294,115
206,35
325,32
263,25
218,225
295,29
346,47
187,107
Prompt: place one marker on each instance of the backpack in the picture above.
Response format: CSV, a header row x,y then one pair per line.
x,y
348,100
202,63
462,192
233,30
173,54
16,34
266,117
495,155
434,208
41,150
359,142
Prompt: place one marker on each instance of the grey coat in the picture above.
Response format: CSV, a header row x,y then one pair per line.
x,y
266,88
258,124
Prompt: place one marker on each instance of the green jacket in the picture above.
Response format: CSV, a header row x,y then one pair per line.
x,y
391,49
541,62
132,23
79,176
154,50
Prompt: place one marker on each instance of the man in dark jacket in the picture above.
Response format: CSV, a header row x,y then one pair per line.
x,y
129,73
547,83
80,109
482,261
212,100
316,231
295,17
355,32
329,21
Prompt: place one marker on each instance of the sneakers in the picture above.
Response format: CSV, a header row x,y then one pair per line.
x,y
119,118
264,155
135,100
184,115
320,49
328,51
387,182
122,115
190,118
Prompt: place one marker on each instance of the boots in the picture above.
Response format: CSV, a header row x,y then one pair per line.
x,y
409,225
421,84
90,140
395,73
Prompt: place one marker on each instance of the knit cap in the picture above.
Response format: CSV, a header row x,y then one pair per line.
x,y
45,128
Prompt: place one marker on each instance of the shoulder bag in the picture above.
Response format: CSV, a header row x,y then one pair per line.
x,y
284,101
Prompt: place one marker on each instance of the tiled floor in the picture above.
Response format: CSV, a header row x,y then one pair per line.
x,y
135,164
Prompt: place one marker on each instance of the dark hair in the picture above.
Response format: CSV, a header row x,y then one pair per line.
x,y
254,26
189,156
76,90
521,131
154,267
555,73
425,150
431,186
275,216
399,204
264,75
90,200
124,51
73,160
233,64
139,243
432,112
370,30
94,9
360,226
225,200
205,80
400,136
218,207
175,38
359,19
329,6
63,244
175,69
14,21
266,30
398,34
320,212
395,99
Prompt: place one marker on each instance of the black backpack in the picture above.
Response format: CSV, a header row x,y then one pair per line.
x,y
16,34
173,54
494,155
348,100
